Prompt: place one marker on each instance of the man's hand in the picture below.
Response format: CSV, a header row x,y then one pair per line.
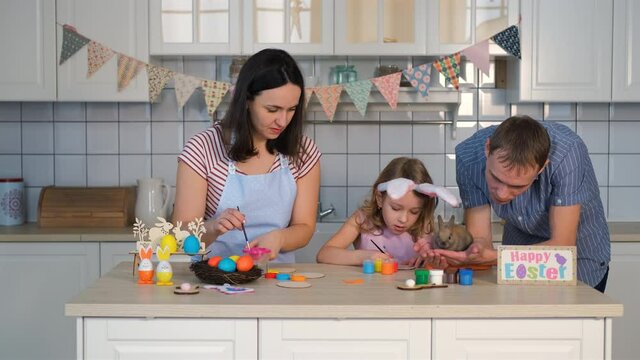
x,y
423,247
476,254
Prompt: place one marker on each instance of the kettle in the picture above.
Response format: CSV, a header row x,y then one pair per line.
x,y
152,200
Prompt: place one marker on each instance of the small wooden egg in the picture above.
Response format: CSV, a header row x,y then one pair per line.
x,y
410,283
185,286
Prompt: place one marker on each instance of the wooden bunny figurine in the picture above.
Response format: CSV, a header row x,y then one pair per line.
x,y
451,236
145,269
164,272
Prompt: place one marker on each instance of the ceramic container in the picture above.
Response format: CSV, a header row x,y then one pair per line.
x,y
11,202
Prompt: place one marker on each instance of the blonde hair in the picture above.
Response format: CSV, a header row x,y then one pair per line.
x,y
412,169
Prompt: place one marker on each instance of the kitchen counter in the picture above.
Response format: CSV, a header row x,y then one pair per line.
x,y
117,318
31,232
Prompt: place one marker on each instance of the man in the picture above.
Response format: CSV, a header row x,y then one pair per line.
x,y
538,177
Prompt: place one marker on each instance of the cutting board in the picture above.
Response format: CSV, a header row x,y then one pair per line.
x,y
86,207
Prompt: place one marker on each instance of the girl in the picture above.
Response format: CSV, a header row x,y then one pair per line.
x,y
398,214
257,160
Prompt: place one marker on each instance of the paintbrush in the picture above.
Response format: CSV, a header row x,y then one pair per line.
x,y
246,239
379,248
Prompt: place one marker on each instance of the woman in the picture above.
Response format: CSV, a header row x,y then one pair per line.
x,y
256,160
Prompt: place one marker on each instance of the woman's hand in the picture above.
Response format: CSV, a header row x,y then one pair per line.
x,y
227,220
271,240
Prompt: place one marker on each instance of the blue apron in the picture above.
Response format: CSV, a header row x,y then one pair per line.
x,y
267,202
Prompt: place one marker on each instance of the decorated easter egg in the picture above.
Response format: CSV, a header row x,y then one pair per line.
x,y
170,241
227,265
214,260
191,244
234,258
244,263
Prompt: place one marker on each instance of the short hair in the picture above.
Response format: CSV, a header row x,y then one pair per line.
x,y
265,70
408,168
521,142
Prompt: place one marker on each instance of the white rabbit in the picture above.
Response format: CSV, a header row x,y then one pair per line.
x,y
145,269
156,233
164,272
179,233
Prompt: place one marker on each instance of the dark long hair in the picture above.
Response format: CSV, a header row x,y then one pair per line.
x,y
267,69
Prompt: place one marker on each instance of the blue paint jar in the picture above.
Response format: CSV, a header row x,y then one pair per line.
x,y
367,267
281,276
465,277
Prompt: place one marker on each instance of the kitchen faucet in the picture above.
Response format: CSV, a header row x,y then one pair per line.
x,y
323,213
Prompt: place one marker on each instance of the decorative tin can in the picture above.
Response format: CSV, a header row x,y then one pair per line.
x,y
11,201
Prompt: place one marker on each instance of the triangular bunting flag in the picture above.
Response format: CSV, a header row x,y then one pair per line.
x,y
359,93
185,85
478,54
509,40
419,77
329,97
308,92
389,85
449,66
214,91
158,78
71,43
128,68
97,55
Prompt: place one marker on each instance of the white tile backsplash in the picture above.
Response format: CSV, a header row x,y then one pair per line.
x,y
114,144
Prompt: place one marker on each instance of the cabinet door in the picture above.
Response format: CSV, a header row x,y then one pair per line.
x,y
380,27
170,338
626,50
457,24
345,339
621,285
518,339
301,27
28,43
196,27
566,50
39,278
121,25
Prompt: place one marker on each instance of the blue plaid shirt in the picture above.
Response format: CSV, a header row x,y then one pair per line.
x,y
567,180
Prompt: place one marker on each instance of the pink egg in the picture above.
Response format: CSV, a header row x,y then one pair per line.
x,y
185,286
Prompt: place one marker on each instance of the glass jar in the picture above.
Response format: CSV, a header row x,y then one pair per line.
x,y
347,74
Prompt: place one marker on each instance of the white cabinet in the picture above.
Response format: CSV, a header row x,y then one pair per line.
x,y
457,24
38,279
121,25
566,51
512,338
170,338
622,287
195,27
301,27
28,43
626,50
345,339
380,27
113,253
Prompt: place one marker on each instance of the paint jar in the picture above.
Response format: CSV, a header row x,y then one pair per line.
x,y
377,265
259,255
451,276
387,267
395,265
435,276
466,277
422,276
283,277
11,201
367,267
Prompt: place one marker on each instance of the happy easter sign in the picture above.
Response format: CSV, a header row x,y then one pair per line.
x,y
537,265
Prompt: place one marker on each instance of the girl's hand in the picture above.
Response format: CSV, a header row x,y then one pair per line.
x,y
430,257
475,254
415,262
371,255
227,220
271,240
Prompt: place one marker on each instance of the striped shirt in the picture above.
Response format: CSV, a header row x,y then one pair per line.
x,y
568,179
205,153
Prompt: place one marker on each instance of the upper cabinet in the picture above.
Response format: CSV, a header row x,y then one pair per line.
x,y
301,27
566,51
195,27
121,25
380,27
28,66
457,24
626,51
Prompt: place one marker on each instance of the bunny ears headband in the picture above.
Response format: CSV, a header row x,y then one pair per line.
x,y
397,188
